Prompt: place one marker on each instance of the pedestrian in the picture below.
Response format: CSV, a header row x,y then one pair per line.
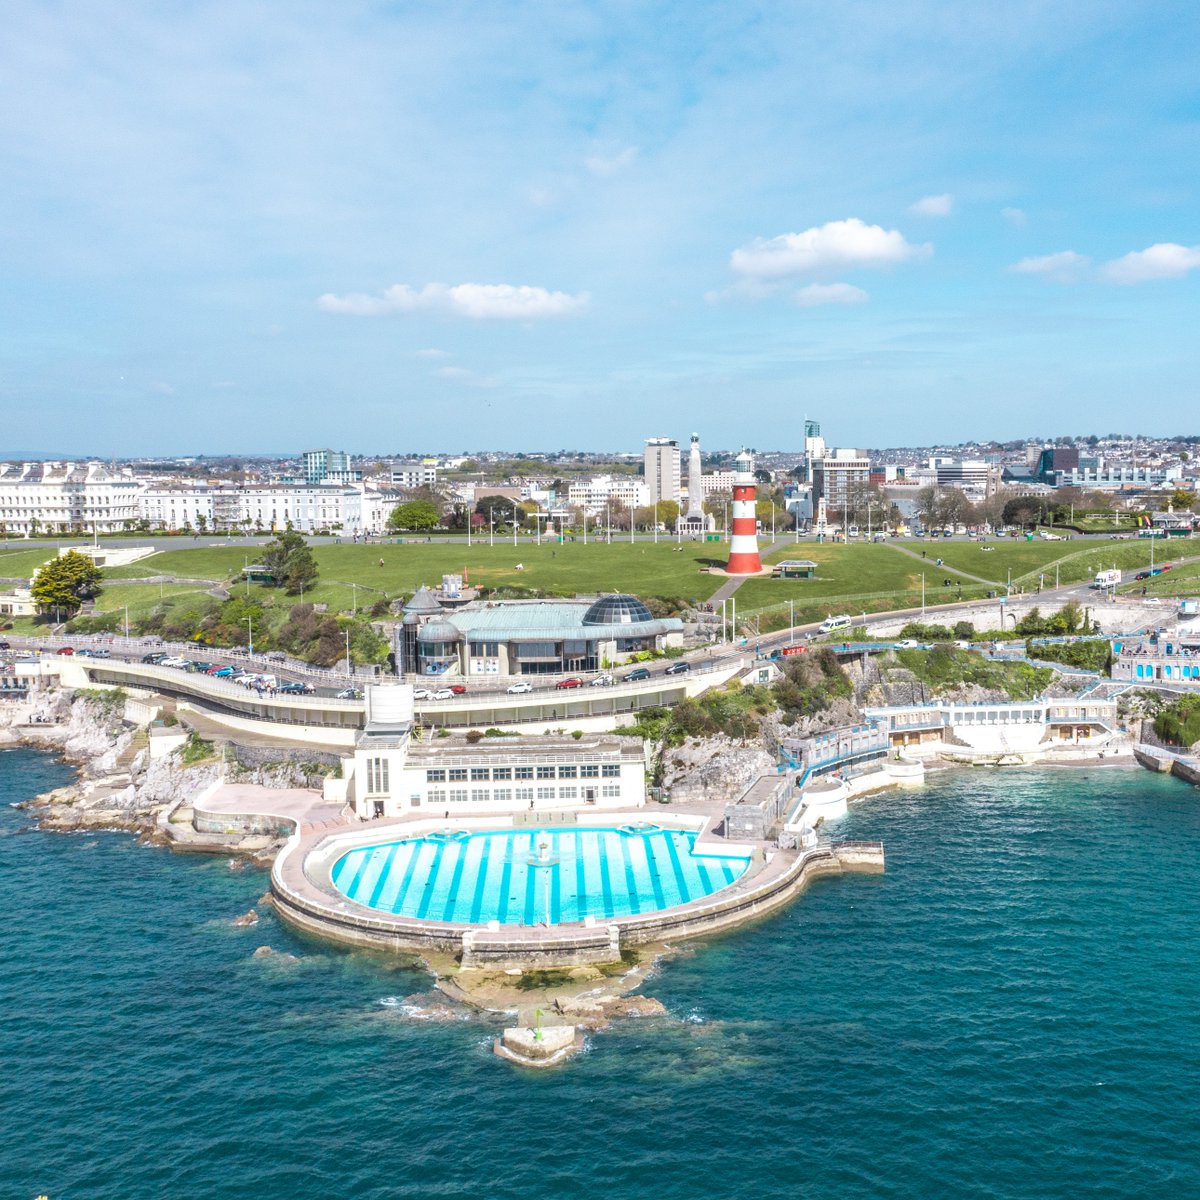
x,y
381,562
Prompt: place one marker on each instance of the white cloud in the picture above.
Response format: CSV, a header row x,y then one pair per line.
x,y
833,246
1014,216
1165,260
604,166
829,293
1064,267
934,206
480,301
462,375
430,352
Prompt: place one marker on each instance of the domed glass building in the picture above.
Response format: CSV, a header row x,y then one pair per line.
x,y
533,637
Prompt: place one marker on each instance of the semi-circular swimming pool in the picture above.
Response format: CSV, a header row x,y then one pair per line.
x,y
531,876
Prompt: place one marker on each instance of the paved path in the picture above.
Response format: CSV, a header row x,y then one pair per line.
x,y
932,562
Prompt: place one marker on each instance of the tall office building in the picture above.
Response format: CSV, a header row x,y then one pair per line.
x,y
814,447
662,469
838,475
328,466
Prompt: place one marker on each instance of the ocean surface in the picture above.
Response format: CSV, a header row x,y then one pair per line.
x,y
1012,1010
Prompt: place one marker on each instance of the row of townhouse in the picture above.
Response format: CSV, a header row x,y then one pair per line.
x,y
64,497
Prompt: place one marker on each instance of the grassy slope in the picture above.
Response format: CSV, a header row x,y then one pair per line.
x,y
646,569
21,564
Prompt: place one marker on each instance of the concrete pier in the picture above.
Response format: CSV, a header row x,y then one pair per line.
x,y
544,1047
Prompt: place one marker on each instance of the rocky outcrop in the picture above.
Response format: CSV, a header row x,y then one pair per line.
x,y
716,768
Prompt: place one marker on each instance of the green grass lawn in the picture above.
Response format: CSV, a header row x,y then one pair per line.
x,y
646,569
1077,560
21,564
851,579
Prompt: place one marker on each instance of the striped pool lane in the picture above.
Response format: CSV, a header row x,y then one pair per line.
x,y
603,873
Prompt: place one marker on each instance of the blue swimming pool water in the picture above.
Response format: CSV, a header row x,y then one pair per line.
x,y
497,876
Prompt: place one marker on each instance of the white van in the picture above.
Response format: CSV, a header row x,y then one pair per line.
x,y
1107,579
833,624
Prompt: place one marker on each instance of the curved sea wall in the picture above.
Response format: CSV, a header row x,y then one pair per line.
x,y
309,901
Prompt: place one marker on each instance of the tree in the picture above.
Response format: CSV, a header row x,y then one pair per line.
x,y
290,561
500,509
414,515
64,583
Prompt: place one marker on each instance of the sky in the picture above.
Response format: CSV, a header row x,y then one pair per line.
x,y
404,227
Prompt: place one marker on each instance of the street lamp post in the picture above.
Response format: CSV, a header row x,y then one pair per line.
x,y
791,620
491,527
349,664
250,632
126,622
922,595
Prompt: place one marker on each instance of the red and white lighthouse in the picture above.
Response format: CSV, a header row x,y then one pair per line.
x,y
743,541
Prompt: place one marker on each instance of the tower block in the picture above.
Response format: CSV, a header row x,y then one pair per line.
x,y
743,542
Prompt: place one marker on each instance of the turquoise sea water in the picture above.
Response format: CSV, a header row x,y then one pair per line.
x,y
1010,1012
501,875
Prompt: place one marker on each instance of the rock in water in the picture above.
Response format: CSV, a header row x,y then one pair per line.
x,y
246,920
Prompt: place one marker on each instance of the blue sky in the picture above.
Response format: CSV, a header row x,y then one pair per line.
x,y
406,226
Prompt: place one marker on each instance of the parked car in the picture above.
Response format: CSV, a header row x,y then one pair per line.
x,y
65,650
102,653
636,674
5,645
155,658
602,681
294,689
442,694
222,672
908,644
519,688
678,668
573,682
349,694
422,694
458,689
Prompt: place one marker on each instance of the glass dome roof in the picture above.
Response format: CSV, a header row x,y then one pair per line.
x,y
617,610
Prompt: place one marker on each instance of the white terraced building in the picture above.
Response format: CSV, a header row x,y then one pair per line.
x,y
595,494
177,507
65,497
395,771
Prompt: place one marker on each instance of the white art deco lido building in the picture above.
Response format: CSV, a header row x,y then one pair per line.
x,y
398,768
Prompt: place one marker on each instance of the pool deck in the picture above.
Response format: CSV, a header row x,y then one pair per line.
x,y
305,895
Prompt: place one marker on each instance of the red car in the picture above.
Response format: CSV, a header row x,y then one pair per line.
x,y
65,650
572,682
458,688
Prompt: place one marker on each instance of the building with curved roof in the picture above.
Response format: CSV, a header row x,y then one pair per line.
x,y
538,637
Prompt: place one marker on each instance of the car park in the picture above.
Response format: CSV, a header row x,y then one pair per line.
x,y
678,668
519,688
573,682
636,674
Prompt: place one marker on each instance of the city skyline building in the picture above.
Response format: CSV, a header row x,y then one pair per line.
x,y
661,461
